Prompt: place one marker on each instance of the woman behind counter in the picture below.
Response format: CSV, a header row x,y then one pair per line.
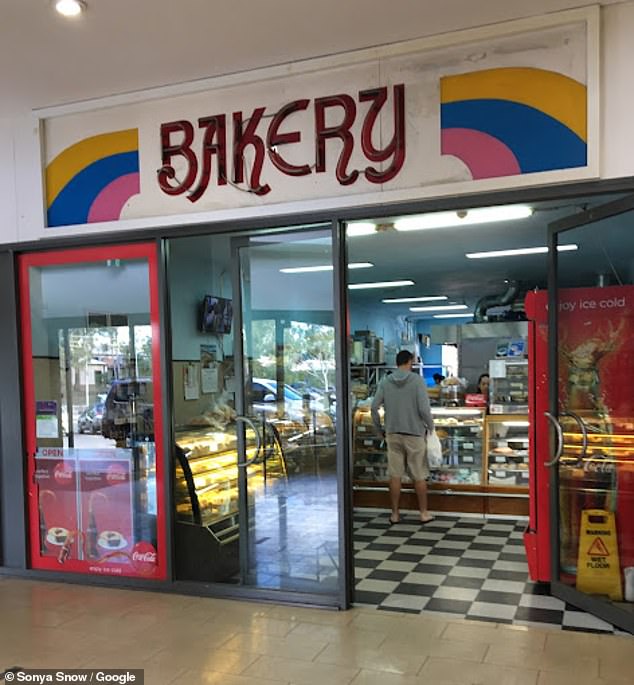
x,y
483,385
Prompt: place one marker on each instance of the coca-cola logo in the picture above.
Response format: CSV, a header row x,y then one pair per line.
x,y
144,558
116,473
63,473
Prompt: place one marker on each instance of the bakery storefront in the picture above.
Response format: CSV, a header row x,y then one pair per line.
x,y
226,270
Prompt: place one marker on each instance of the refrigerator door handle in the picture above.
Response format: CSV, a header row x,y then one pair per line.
x,y
584,432
258,440
560,439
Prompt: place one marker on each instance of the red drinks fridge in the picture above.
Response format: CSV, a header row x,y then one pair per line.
x,y
596,419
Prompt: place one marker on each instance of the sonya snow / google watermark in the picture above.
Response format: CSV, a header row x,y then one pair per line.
x,y
41,676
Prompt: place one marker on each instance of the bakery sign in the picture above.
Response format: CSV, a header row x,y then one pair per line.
x,y
502,107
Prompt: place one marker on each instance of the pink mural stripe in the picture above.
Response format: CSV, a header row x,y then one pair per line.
x,y
486,156
110,201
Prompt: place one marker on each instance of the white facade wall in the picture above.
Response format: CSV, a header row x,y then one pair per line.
x,y
21,211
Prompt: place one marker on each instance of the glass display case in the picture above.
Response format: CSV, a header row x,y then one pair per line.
x,y
596,477
206,496
460,431
206,482
507,455
368,447
508,389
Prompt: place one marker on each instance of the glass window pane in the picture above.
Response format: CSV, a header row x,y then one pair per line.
x,y
94,467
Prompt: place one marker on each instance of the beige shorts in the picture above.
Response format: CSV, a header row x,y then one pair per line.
x,y
407,452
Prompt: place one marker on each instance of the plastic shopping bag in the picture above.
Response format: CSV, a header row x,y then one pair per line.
x,y
434,450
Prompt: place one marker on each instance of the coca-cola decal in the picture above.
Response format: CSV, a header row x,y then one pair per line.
x,y
116,474
144,558
64,473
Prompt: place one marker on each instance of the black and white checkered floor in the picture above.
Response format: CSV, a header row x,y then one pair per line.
x,y
465,567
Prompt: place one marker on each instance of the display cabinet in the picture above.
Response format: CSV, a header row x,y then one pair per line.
x,y
459,429
507,453
484,468
596,477
206,496
369,456
207,473
508,389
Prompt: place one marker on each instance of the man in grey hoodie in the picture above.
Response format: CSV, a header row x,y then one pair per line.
x,y
408,419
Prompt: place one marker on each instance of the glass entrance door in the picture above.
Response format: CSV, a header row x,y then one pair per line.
x,y
287,379
92,411
253,373
592,395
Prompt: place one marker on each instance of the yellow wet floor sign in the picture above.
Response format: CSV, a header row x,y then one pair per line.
x,y
598,568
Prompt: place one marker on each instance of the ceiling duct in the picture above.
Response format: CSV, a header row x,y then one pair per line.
x,y
490,301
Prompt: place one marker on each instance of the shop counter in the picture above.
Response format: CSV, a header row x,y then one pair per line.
x,y
484,468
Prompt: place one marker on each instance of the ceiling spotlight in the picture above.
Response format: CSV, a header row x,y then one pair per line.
x,y
70,8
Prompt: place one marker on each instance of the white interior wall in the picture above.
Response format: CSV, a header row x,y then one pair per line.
x,y
21,213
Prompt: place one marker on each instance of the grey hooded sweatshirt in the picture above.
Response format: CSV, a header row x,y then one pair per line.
x,y
404,396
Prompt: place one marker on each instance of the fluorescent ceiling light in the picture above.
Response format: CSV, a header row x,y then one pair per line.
x,y
360,228
323,267
70,8
517,424
379,284
440,308
452,316
395,300
520,251
471,217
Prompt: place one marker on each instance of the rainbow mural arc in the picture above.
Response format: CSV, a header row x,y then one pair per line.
x,y
92,180
508,121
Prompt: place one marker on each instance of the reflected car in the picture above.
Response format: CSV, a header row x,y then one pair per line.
x,y
128,395
90,419
263,399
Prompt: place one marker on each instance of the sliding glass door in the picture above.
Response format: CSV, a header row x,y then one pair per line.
x,y
254,374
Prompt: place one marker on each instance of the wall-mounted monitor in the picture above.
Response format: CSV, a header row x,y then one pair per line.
x,y
216,315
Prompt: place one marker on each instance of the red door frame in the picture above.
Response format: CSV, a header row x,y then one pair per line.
x,y
88,255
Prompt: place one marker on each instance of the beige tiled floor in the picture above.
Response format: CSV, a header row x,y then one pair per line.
x,y
187,640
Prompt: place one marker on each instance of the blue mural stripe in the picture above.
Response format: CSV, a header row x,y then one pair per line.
x,y
539,142
73,203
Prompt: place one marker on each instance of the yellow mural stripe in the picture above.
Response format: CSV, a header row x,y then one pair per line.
x,y
73,159
559,96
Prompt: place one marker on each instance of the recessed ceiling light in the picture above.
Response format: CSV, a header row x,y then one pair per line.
x,y
470,217
70,8
520,251
440,308
452,316
379,284
398,300
323,267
